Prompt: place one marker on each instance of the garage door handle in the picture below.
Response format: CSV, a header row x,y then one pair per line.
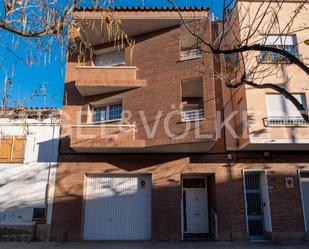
x,y
197,214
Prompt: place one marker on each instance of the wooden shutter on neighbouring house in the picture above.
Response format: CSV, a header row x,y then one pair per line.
x,y
18,152
12,149
5,149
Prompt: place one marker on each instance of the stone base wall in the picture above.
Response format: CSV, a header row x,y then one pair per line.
x,y
24,233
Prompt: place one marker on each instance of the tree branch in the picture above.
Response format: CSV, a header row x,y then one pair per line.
x,y
302,110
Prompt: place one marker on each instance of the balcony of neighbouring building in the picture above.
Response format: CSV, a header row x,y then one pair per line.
x,y
281,128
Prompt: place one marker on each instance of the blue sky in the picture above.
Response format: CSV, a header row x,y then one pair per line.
x,y
51,74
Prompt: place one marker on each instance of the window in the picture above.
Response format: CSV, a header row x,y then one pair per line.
x,y
115,111
109,58
193,183
192,100
190,45
285,42
38,214
12,149
100,114
241,116
281,111
108,113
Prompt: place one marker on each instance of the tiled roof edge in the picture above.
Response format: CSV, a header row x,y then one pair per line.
x,y
141,8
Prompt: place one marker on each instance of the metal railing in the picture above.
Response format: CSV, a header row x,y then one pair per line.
x,y
192,115
274,58
285,121
190,54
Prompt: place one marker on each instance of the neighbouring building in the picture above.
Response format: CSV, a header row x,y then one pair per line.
x,y
143,155
28,158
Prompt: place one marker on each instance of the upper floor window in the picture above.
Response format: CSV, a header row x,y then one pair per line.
x,y
190,45
284,42
108,113
192,100
109,57
282,112
12,149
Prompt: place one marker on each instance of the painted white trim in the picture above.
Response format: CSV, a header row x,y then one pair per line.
x,y
301,195
278,141
245,198
103,125
106,121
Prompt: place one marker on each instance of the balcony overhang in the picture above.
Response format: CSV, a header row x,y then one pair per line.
x,y
93,32
101,80
277,145
95,138
121,139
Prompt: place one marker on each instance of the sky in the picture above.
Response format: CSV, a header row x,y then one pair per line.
x,y
47,76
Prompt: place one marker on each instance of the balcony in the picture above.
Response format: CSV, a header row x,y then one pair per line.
x,y
192,115
95,80
274,58
97,137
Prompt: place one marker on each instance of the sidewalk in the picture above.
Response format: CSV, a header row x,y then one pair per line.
x,y
155,245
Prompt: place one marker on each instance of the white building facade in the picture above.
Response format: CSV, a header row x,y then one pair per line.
x,y
28,159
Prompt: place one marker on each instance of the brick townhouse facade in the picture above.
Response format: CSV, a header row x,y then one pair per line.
x,y
163,170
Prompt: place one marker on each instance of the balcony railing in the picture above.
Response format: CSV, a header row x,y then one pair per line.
x,y
285,121
98,136
190,54
275,58
192,115
94,80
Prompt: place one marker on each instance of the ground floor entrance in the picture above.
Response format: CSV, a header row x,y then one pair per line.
x,y
257,204
198,221
177,197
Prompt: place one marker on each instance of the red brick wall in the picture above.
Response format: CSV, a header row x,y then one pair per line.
x,y
226,195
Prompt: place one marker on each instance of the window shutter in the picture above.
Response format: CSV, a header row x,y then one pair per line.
x,y
5,149
18,152
279,40
279,106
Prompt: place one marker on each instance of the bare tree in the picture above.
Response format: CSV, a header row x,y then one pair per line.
x,y
38,24
249,52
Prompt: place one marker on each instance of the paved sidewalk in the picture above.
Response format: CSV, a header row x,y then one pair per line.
x,y
156,245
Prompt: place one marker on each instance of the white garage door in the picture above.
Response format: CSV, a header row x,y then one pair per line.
x,y
118,207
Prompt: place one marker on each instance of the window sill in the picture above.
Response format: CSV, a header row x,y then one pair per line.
x,y
106,121
193,120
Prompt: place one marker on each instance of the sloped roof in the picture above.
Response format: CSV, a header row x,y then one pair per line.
x,y
33,112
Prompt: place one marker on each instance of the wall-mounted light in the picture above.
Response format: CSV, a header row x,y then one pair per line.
x,y
306,42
